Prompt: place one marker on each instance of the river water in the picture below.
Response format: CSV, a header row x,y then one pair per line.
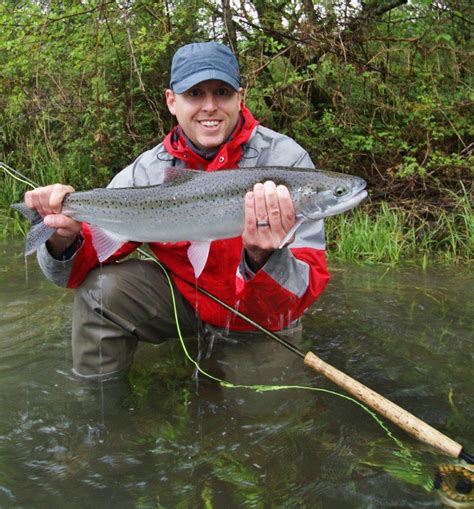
x,y
165,438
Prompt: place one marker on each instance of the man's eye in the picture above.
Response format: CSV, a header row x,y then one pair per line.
x,y
194,92
223,91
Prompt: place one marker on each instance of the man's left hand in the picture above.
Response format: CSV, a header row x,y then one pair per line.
x,y
269,215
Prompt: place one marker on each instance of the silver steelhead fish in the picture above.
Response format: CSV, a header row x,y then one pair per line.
x,y
195,206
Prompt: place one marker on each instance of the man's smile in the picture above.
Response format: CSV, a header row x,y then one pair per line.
x,y
209,124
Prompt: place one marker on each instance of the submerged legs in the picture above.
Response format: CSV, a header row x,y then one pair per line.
x,y
117,306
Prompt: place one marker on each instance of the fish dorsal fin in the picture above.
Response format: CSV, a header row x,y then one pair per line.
x,y
106,243
173,175
198,253
299,221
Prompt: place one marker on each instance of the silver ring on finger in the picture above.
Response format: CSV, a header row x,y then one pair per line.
x,y
263,224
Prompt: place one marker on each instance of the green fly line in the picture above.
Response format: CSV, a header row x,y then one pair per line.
x,y
404,451
15,174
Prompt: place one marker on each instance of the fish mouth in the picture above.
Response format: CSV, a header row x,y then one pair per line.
x,y
362,184
357,196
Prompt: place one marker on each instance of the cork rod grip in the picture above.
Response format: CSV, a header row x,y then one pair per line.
x,y
385,407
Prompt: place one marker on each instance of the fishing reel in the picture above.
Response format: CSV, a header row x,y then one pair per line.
x,y
456,484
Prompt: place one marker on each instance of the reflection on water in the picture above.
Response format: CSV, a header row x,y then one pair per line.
x,y
163,439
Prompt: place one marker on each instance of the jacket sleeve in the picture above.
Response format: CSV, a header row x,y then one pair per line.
x,y
290,281
72,271
293,277
73,268
56,271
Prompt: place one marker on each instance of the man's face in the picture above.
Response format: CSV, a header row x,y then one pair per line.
x,y
207,112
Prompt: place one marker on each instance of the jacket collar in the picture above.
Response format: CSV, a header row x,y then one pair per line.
x,y
227,155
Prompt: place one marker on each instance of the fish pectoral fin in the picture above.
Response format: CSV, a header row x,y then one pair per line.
x,y
105,242
299,221
198,252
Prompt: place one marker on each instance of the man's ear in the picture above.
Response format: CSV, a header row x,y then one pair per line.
x,y
170,101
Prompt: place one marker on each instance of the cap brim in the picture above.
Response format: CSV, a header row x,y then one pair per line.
x,y
208,74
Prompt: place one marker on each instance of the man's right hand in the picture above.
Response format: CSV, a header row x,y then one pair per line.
x,y
48,203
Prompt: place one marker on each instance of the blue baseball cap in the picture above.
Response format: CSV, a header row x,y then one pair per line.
x,y
201,61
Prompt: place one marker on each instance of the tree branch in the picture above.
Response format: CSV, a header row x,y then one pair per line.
x,y
382,9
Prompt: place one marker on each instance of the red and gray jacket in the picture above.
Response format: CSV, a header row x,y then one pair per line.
x,y
279,293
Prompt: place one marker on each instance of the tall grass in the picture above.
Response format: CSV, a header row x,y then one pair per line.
x,y
390,234
42,171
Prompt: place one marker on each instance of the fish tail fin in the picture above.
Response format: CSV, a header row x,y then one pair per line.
x,y
30,214
39,233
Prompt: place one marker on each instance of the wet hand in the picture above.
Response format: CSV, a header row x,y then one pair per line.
x,y
269,215
48,203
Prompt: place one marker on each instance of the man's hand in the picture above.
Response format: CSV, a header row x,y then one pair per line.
x,y
48,203
269,215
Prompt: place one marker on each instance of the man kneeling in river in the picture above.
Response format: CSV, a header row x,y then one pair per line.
x,y
119,304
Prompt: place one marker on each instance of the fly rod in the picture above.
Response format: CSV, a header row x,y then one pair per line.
x,y
399,416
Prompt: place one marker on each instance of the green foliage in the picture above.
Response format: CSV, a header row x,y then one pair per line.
x,y
391,235
369,88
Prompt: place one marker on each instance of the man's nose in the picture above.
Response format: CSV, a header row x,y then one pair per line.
x,y
209,103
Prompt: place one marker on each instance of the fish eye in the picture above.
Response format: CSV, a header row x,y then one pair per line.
x,y
340,191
